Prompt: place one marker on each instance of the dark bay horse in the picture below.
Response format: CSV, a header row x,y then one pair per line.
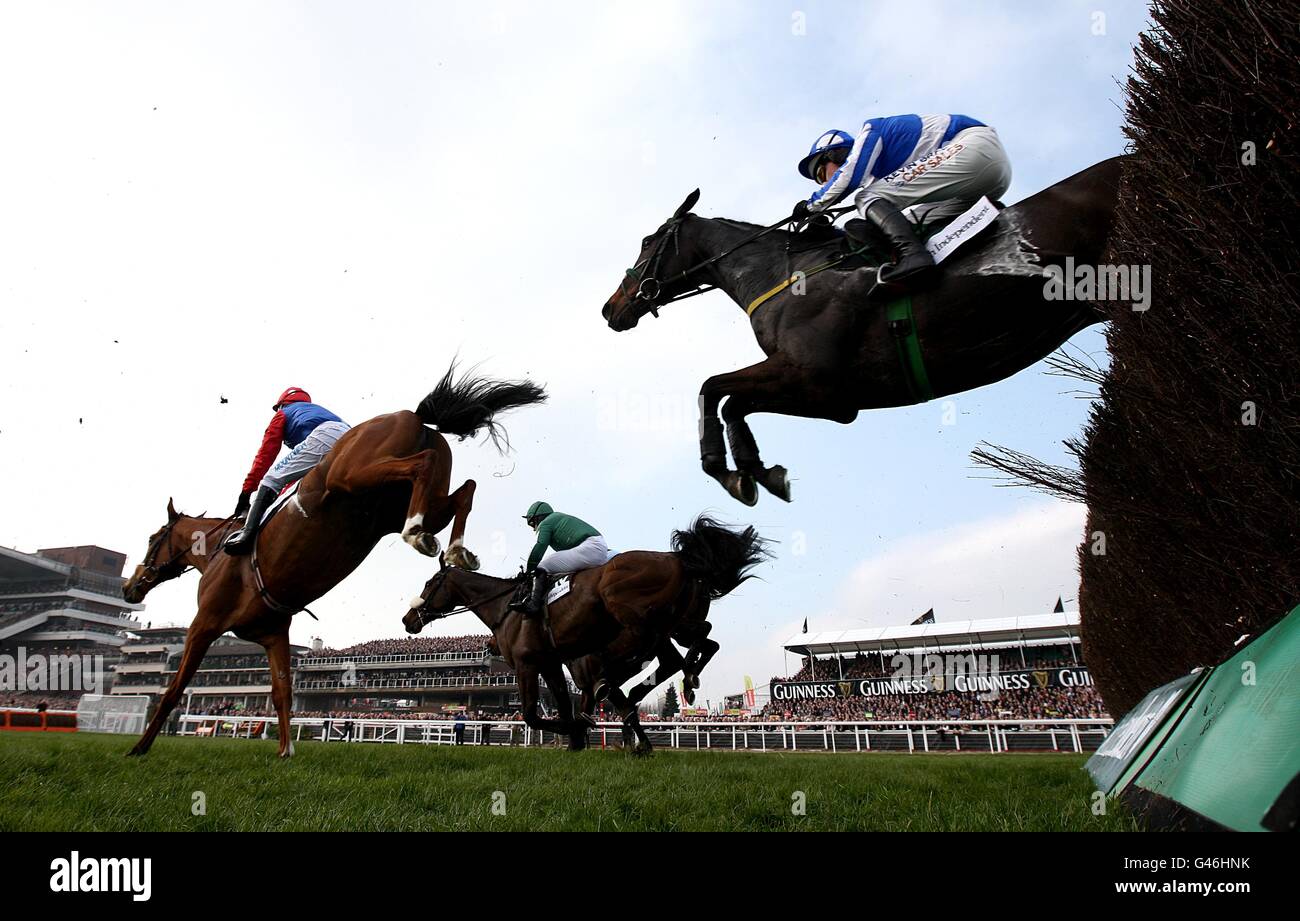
x,y
620,613
831,354
389,474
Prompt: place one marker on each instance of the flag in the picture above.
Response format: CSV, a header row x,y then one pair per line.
x,y
805,625
926,618
1060,608
749,692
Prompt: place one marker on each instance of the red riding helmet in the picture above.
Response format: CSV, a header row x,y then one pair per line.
x,y
292,395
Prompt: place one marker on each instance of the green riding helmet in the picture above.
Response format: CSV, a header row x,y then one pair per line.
x,y
537,510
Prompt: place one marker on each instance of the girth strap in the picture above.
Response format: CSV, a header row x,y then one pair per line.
x,y
266,595
898,316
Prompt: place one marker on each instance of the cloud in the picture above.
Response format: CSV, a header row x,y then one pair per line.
x,y
1001,566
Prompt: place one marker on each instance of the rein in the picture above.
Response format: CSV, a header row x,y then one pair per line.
x,y
514,586
650,287
156,569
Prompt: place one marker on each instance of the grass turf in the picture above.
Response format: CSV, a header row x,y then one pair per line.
x,y
76,782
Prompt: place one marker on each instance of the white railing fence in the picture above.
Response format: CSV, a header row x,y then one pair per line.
x,y
1059,735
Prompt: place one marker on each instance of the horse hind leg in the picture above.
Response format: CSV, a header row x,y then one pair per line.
x,y
634,737
744,448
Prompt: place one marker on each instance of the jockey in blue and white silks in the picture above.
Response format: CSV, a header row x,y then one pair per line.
x,y
903,160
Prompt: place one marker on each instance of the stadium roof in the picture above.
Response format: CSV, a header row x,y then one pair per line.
x,y
957,633
18,566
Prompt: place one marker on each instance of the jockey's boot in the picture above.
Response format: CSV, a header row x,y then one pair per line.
x,y
914,260
531,606
241,541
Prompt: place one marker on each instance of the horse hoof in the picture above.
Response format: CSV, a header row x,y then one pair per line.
x,y
776,480
426,543
742,488
461,558
688,694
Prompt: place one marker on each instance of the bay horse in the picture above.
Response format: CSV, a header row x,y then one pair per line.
x,y
389,474
619,612
831,353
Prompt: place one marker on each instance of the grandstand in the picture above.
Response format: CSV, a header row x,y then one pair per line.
x,y
59,604
1018,668
434,674
409,677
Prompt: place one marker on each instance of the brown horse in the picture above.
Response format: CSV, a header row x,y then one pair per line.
x,y
389,474
620,613
830,353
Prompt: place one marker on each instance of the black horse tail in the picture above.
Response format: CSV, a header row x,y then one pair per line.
x,y
719,557
471,404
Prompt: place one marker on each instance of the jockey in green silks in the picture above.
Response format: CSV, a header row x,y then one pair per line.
x,y
576,545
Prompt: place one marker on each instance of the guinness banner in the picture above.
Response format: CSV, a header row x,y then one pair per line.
x,y
960,682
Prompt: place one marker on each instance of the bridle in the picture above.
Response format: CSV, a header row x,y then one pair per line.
x,y
427,617
154,570
645,273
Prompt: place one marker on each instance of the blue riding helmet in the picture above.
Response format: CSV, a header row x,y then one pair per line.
x,y
830,140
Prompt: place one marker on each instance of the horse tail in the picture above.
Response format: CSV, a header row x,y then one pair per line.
x,y
465,407
718,557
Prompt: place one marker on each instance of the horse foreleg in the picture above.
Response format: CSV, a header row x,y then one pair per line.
x,y
200,637
530,693
577,731
277,650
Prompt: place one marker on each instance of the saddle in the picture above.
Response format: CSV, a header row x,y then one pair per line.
x,y
863,246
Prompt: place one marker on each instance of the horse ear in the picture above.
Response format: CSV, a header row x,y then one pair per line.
x,y
442,561
688,204
172,514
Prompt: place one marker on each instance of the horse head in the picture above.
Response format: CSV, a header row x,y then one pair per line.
x,y
658,276
434,601
160,562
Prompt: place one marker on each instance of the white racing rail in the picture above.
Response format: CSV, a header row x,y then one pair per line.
x,y
1057,735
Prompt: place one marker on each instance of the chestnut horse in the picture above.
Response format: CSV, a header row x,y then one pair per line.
x,y
389,474
620,613
830,352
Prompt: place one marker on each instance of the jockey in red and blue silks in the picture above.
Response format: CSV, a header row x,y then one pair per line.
x,y
310,431
903,160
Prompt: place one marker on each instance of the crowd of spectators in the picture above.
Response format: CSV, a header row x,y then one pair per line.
x,y
408,646
873,666
1031,704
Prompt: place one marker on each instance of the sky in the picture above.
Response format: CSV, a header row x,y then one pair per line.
x,y
208,202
